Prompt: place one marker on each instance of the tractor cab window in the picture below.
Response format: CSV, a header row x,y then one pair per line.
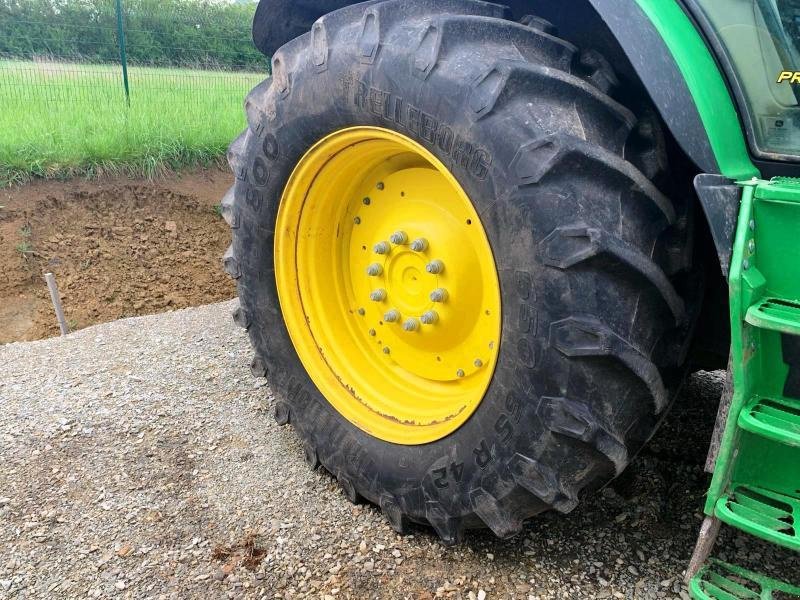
x,y
761,40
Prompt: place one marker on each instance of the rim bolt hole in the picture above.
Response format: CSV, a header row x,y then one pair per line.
x,y
374,270
435,267
419,245
382,248
378,295
399,238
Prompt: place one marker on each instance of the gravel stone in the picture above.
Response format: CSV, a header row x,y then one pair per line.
x,y
141,460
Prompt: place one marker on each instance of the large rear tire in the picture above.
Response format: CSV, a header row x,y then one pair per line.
x,y
591,258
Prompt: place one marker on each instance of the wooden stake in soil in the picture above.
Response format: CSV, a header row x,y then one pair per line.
x,y
54,296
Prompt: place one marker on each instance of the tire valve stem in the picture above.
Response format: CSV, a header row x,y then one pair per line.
x,y
429,317
419,245
435,267
378,295
392,316
438,295
460,373
399,238
382,248
374,270
410,324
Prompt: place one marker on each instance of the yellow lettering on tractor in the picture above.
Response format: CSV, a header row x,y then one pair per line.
x,y
790,76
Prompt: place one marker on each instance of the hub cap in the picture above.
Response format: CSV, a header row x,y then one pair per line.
x,y
387,285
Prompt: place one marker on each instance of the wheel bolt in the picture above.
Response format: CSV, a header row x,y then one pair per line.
x,y
392,316
374,270
362,312
435,267
478,363
382,248
399,238
438,295
429,317
419,245
410,324
386,350
460,373
378,295
373,333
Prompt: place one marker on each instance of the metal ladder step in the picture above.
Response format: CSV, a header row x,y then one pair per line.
x,y
777,419
763,513
775,314
718,580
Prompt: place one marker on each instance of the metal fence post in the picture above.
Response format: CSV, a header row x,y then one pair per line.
x,y
123,56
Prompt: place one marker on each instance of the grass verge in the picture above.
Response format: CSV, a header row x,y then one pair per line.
x,y
62,120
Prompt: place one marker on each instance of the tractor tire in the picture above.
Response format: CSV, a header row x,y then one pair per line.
x,y
594,262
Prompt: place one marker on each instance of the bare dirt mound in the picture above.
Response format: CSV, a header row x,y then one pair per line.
x,y
118,248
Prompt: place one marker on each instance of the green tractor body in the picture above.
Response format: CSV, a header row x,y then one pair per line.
x,y
703,95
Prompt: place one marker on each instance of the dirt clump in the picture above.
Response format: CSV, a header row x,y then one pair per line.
x,y
118,248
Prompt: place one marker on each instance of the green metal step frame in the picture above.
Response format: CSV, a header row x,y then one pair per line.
x,y
756,481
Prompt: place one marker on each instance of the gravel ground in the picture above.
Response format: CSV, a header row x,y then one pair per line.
x,y
140,460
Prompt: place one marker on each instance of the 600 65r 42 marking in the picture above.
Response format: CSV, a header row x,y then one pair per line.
x,y
452,261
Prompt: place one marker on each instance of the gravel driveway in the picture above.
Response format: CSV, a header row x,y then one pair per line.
x,y
140,460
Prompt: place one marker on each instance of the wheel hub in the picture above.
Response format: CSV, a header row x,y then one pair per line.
x,y
387,285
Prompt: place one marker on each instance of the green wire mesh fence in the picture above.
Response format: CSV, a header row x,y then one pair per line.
x,y
63,95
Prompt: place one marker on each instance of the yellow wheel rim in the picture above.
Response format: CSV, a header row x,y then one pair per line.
x,y
387,285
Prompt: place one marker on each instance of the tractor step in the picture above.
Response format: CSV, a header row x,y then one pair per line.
x,y
777,419
766,514
775,314
718,580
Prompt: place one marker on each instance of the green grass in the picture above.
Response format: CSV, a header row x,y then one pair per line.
x,y
60,120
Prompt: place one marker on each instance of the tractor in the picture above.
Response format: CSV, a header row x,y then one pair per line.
x,y
479,246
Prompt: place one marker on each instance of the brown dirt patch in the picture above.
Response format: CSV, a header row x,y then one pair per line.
x,y
118,248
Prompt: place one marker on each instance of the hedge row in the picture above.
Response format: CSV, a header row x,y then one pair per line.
x,y
194,33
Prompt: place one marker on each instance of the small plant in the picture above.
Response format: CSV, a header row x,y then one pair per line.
x,y
24,248
218,209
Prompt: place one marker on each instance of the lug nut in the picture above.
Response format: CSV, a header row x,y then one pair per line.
x,y
419,245
392,316
382,248
374,270
378,295
478,363
435,267
410,324
373,333
429,317
366,201
386,350
438,295
399,238
362,312
460,373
